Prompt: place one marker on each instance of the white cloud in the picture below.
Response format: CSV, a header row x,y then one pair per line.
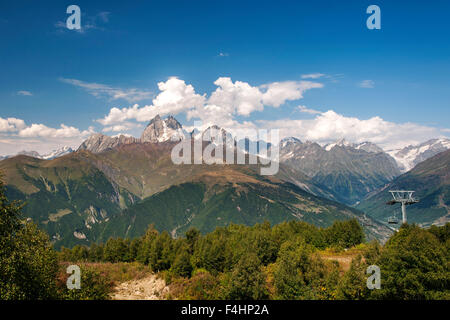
x,y
367,84
122,127
237,97
16,136
224,54
113,93
175,97
279,92
304,109
330,126
24,93
230,99
11,125
312,75
40,130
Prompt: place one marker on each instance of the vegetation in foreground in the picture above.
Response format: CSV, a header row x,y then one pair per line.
x,y
286,261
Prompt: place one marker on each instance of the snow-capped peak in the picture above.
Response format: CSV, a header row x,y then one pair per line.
x,y
159,130
368,146
289,140
408,157
47,156
339,143
57,153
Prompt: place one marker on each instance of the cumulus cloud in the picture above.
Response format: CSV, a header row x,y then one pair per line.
x,y
16,135
230,99
122,127
11,125
329,126
175,97
279,92
113,93
41,130
368,84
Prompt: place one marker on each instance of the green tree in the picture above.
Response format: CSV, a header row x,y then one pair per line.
x,y
182,264
298,274
161,254
345,234
116,250
28,264
414,266
353,286
247,280
94,286
192,236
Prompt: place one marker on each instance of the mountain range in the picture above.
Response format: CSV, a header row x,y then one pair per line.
x,y
47,156
430,180
116,186
350,171
408,157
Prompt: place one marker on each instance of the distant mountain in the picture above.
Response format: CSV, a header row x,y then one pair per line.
x,y
88,197
408,157
33,154
159,130
431,181
98,142
366,146
57,153
48,156
351,171
116,186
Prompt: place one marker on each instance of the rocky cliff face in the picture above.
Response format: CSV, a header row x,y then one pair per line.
x,y
430,180
159,130
99,142
350,170
408,157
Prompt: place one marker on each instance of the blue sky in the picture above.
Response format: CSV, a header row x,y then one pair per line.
x,y
396,78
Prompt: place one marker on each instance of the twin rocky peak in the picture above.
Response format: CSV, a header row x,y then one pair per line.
x,y
158,130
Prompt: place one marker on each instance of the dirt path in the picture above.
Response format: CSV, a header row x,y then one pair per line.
x,y
344,261
149,288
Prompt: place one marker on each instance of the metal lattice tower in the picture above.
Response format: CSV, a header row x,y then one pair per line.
x,y
405,198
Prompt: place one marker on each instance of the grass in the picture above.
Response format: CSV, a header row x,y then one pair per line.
x,y
343,256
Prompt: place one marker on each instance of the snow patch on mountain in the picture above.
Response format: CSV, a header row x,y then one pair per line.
x,y
408,157
159,130
339,143
57,153
48,156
